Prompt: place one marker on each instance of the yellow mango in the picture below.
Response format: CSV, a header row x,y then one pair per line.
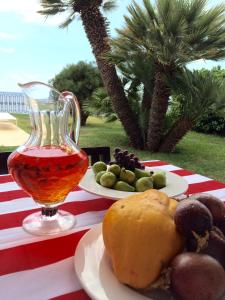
x,y
140,237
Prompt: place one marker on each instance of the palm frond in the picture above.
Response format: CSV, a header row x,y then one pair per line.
x,y
53,7
99,104
51,11
174,32
197,93
68,20
109,5
192,9
150,11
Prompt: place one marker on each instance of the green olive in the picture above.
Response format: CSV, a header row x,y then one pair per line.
x,y
99,175
108,179
99,166
144,184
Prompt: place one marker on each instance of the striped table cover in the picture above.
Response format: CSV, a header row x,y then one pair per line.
x,y
40,268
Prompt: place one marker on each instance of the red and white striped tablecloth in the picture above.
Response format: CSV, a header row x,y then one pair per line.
x,y
40,268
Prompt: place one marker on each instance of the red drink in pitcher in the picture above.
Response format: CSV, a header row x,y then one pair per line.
x,y
48,173
50,164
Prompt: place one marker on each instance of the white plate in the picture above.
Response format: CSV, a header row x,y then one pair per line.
x,y
96,275
176,185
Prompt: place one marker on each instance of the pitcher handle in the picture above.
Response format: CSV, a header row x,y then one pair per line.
x,y
75,115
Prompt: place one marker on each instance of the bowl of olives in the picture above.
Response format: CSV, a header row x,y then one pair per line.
x,y
127,175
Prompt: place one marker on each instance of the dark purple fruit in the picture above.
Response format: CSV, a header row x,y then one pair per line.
x,y
127,160
197,277
138,165
192,244
214,205
192,215
221,225
216,246
213,245
120,154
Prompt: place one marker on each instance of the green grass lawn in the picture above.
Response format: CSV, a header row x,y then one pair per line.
x,y
200,153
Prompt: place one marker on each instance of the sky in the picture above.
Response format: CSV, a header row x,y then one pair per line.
x,y
35,49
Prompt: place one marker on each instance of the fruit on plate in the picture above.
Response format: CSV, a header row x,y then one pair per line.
x,y
221,225
197,277
128,173
99,166
159,179
192,216
215,246
140,237
114,169
143,184
131,181
142,173
127,176
212,244
200,273
123,186
108,179
99,175
127,160
214,205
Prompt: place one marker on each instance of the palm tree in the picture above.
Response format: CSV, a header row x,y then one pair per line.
x,y
96,26
137,72
171,34
195,94
101,105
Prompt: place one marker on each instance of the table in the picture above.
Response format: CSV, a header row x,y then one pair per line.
x,y
40,268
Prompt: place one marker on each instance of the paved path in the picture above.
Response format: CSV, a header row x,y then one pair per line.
x,y
6,117
11,135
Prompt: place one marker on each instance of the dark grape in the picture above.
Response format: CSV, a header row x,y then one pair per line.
x,y
127,160
117,150
132,164
119,160
120,154
142,166
112,163
127,166
138,165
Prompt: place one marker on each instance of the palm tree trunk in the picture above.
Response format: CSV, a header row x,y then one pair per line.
x,y
95,27
158,111
146,100
177,132
145,108
83,118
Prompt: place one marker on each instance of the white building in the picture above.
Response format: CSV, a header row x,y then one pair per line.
x,y
13,103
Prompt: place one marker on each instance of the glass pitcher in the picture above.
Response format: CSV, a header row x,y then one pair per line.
x,y
50,164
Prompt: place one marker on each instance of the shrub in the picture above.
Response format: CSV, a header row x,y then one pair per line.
x,y
213,124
